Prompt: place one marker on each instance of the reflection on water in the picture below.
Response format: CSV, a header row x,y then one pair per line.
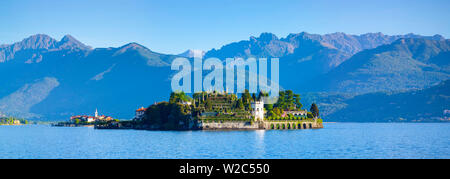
x,y
337,140
259,143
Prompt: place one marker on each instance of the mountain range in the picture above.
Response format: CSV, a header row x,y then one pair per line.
x,y
43,78
404,64
424,105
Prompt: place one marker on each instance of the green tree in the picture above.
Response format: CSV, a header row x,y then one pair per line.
x,y
289,100
277,111
240,104
208,104
165,115
281,100
246,98
268,107
314,110
297,102
262,94
176,97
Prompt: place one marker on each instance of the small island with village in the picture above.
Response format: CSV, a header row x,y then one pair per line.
x,y
86,120
212,111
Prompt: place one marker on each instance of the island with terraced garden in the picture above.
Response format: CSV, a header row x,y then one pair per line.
x,y
222,111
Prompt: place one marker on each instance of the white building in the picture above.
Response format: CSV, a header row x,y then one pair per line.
x,y
301,113
140,113
90,119
258,110
186,103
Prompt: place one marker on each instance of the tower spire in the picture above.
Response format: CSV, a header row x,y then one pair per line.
x,y
96,112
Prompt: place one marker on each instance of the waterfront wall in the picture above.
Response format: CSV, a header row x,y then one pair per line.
x,y
224,125
291,125
267,125
229,126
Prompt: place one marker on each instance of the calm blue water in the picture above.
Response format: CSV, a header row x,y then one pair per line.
x,y
336,140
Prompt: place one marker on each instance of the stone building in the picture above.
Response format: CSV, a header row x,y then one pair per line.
x,y
301,113
258,110
139,114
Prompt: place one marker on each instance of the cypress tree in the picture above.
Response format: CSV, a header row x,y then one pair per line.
x,y
314,110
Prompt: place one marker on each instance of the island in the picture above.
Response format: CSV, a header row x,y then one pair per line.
x,y
86,120
222,111
12,121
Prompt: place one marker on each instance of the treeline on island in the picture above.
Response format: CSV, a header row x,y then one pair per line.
x,y
167,115
12,121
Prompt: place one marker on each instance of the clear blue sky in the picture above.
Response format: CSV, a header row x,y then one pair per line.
x,y
172,26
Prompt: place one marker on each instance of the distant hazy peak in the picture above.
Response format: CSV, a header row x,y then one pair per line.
x,y
354,43
191,53
68,38
131,47
43,41
69,41
434,37
265,36
38,41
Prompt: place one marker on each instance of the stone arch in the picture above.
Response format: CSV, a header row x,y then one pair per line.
x,y
288,126
304,126
283,126
278,126
299,126
272,126
310,125
293,126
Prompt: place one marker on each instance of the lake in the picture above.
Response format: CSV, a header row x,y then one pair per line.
x,y
335,140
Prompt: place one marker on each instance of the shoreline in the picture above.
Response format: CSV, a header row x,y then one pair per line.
x,y
221,126
71,125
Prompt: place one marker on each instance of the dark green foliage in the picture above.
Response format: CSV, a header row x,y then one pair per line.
x,y
177,97
310,115
268,107
276,112
12,120
208,104
166,115
246,99
288,100
314,110
262,94
240,104
297,102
